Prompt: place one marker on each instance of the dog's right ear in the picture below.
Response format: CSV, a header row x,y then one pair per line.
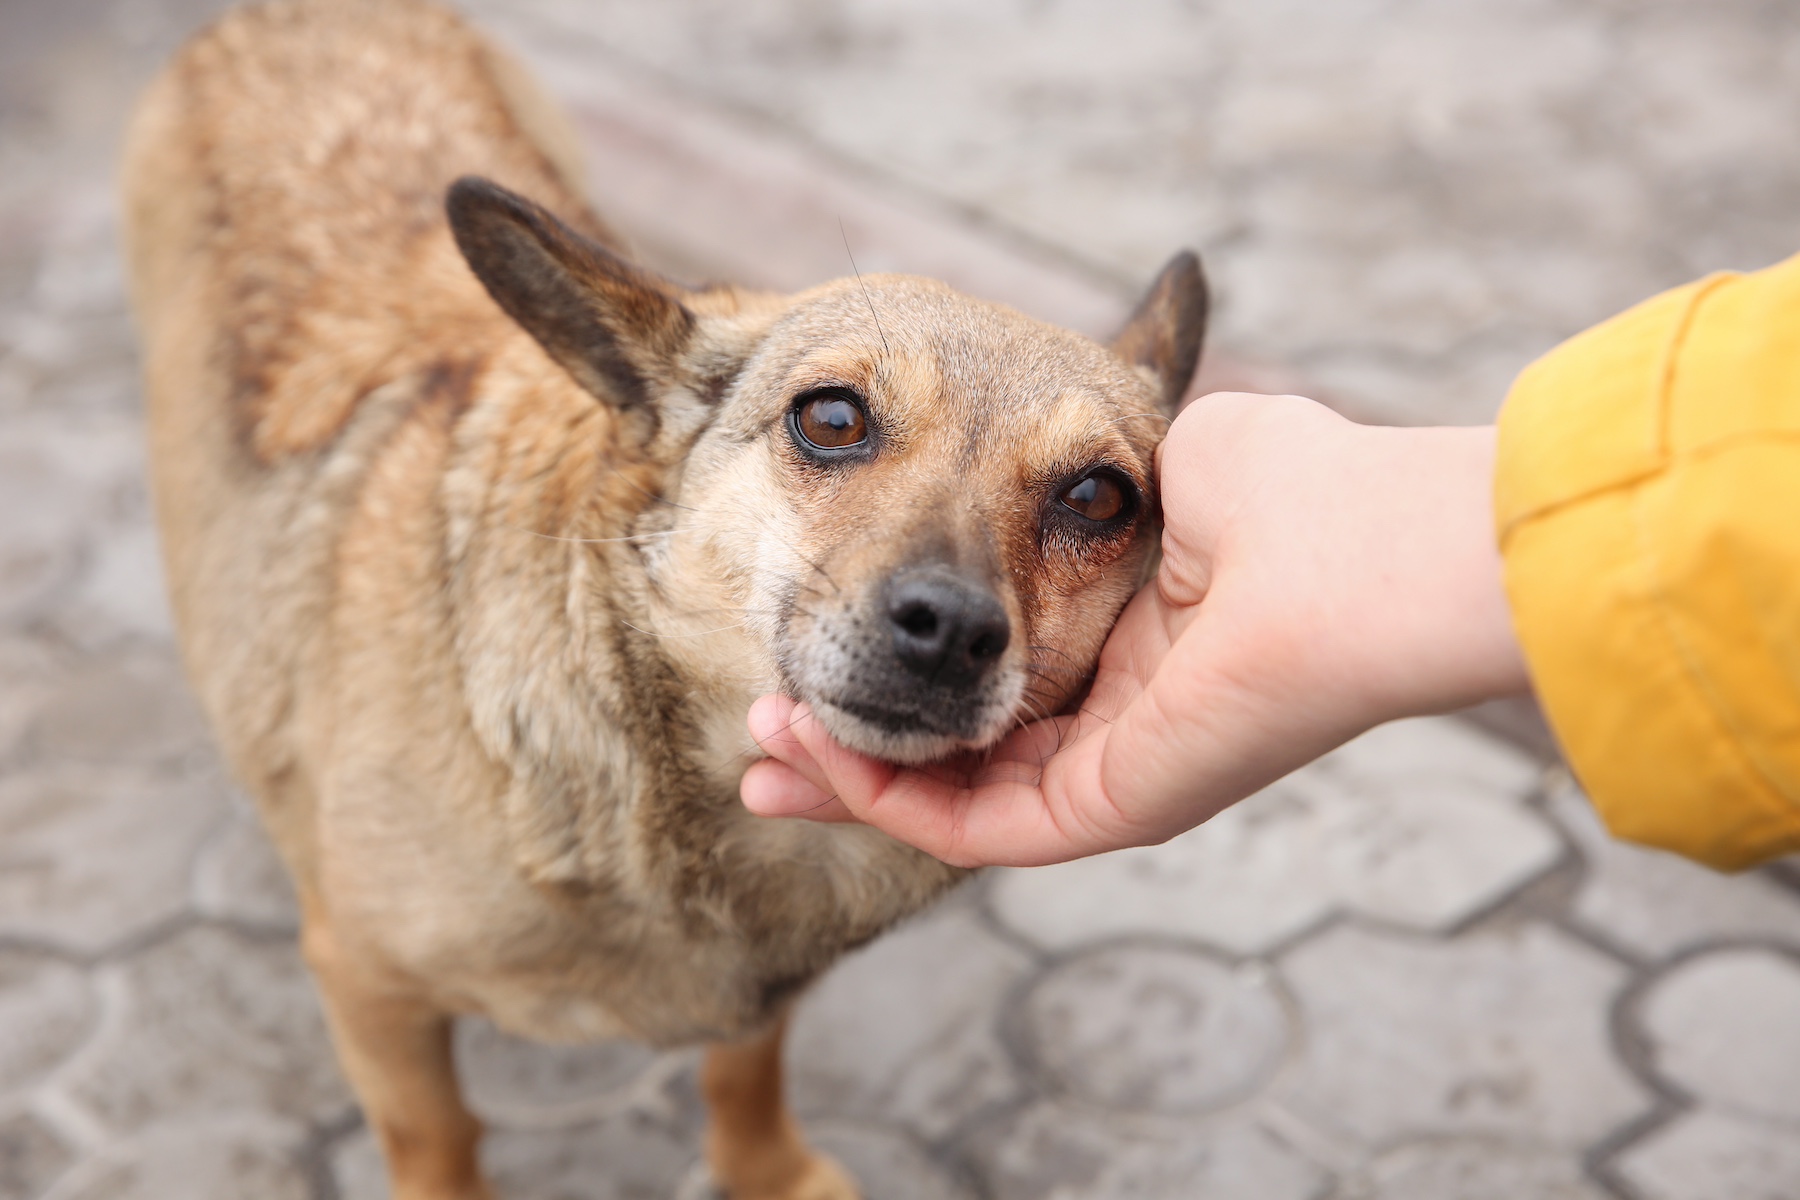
x,y
1164,336
609,324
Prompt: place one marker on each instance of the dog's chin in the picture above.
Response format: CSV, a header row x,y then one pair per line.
x,y
894,743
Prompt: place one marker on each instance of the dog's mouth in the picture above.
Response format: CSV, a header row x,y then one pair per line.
x,y
903,733
896,737
898,721
919,667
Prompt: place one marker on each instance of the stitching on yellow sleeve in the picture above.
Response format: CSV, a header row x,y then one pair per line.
x,y
1671,352
1767,795
1664,379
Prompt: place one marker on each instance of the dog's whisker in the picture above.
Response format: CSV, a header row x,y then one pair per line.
x,y
653,497
757,748
691,610
1041,713
695,633
579,541
865,287
818,806
820,568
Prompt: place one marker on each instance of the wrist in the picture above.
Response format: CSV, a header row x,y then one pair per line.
x,y
1439,616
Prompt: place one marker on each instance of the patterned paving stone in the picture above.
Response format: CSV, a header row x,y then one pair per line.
x,y
627,1157
121,594
1142,1028
57,479
1410,199
513,1082
1709,1155
633,1156
1474,1169
120,708
905,1030
222,1160
1053,1151
27,674
1502,1034
93,856
239,877
1656,904
1722,1026
31,1157
1418,823
1239,882
40,527
1438,833
47,1007
888,1163
356,1168
211,1022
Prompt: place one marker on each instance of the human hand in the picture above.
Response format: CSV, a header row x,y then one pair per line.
x,y
1318,578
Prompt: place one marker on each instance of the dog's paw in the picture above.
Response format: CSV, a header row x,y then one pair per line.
x,y
823,1179
819,1178
473,1190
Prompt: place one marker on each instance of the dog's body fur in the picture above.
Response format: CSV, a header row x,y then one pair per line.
x,y
480,645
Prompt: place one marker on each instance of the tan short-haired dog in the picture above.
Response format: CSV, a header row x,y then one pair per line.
x,y
482,541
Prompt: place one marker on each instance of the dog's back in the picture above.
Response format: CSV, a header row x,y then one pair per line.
x,y
298,152
292,270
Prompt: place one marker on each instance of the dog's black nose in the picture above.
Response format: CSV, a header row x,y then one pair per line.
x,y
946,629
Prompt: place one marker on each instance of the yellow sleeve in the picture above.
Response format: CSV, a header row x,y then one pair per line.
x,y
1647,496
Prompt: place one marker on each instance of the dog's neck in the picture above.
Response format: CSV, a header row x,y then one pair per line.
x,y
641,669
713,636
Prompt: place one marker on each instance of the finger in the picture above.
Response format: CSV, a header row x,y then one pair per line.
x,y
772,720
835,768
774,789
1134,650
1024,753
997,817
1002,817
769,720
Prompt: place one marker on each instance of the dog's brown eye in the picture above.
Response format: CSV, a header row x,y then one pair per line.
x,y
832,421
1096,497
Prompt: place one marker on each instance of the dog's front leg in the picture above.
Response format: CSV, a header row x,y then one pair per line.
x,y
753,1144
395,1048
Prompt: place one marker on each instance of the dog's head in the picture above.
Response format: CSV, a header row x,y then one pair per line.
x,y
926,510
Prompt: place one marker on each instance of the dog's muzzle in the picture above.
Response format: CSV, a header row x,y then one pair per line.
x,y
948,631
917,668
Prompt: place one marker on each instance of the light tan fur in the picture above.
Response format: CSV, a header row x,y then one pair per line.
x,y
477,620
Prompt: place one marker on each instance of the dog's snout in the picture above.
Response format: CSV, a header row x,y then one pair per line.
x,y
946,628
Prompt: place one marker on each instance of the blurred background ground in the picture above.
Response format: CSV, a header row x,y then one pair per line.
x,y
1416,970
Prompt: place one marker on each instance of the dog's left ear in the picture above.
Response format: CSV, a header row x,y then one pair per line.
x,y
1163,337
617,329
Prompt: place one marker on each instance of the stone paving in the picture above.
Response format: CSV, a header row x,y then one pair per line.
x,y
1417,970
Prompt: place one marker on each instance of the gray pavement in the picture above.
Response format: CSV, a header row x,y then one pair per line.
x,y
1415,971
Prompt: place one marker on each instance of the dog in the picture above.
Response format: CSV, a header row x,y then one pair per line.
x,y
481,540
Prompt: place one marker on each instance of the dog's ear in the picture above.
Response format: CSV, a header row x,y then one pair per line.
x,y
1164,335
617,329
